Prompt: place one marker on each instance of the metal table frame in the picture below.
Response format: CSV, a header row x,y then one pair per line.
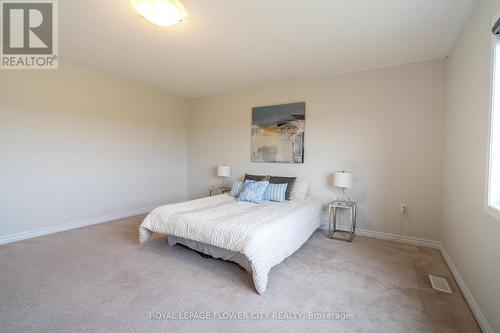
x,y
333,209
215,188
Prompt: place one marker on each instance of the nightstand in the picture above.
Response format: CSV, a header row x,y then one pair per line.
x,y
333,210
215,190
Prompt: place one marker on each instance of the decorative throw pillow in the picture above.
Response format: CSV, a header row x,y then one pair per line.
x,y
236,188
276,192
300,188
282,180
253,191
255,177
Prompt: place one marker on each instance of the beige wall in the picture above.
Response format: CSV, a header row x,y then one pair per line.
x,y
385,125
76,144
468,234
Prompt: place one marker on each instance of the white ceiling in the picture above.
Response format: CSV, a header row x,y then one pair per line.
x,y
228,45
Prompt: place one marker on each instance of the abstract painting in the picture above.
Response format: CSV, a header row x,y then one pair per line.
x,y
278,133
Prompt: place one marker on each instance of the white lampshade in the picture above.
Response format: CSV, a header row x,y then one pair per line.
x,y
342,179
224,171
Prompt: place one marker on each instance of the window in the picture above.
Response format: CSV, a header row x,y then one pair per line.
x,y
493,191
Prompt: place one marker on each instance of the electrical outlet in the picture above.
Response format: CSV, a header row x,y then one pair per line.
x,y
404,209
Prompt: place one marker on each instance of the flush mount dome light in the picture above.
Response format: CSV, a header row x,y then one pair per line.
x,y
160,12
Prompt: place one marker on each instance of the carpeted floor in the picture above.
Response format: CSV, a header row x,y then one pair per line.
x,y
99,279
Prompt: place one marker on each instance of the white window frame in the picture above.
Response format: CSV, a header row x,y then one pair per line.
x,y
492,201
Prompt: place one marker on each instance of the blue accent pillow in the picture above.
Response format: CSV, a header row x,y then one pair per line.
x,y
236,188
276,192
253,191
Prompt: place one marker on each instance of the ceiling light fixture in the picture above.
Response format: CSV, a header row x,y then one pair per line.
x,y
160,12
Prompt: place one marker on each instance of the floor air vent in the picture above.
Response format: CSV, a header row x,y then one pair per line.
x,y
440,283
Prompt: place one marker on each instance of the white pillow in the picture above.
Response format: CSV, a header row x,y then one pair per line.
x,y
300,188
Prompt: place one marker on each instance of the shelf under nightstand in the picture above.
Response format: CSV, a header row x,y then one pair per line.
x,y
333,231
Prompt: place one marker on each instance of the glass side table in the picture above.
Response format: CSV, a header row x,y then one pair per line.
x,y
333,209
215,190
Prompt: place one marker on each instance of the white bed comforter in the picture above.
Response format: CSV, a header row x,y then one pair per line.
x,y
265,233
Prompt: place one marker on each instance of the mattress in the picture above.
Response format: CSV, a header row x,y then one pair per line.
x,y
264,234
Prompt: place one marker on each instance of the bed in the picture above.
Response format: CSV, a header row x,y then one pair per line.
x,y
255,236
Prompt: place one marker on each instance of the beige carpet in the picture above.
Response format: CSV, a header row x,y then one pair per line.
x,y
99,279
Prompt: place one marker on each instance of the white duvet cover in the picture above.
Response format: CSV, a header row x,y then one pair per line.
x,y
265,233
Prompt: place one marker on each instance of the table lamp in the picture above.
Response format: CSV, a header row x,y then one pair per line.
x,y
224,171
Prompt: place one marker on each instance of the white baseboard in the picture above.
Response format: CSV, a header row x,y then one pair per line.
x,y
393,237
72,225
400,239
478,314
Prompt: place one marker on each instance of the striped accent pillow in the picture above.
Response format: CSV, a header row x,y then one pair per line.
x,y
236,188
282,180
276,192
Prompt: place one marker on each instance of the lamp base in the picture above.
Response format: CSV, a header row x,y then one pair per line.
x,y
344,198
